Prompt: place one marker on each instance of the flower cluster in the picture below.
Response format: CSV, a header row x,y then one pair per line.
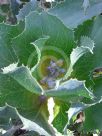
x,y
55,70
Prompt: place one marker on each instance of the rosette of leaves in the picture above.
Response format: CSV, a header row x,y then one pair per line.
x,y
71,12
78,89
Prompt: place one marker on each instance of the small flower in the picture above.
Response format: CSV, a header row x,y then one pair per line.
x,y
54,71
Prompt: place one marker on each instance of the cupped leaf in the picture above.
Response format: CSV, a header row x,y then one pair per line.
x,y
38,44
11,121
37,26
84,68
7,32
69,88
73,13
77,54
92,109
74,109
23,76
17,87
86,47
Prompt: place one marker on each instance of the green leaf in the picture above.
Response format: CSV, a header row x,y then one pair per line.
x,y
32,126
2,18
38,44
86,46
83,70
5,113
23,76
17,87
11,121
7,32
92,109
75,109
93,119
27,8
37,26
61,118
78,52
72,13
87,43
69,89
97,87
